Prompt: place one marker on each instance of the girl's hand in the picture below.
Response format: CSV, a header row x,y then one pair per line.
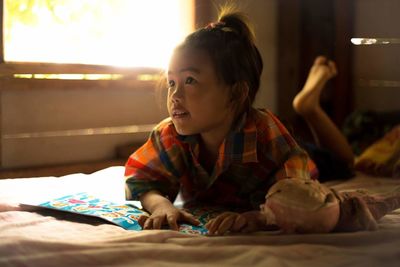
x,y
166,214
247,222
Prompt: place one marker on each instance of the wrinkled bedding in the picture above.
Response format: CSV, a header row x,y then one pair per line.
x,y
40,237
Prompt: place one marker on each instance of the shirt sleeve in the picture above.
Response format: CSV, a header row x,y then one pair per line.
x,y
297,165
156,165
292,160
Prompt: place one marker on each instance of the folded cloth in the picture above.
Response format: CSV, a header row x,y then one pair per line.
x,y
382,158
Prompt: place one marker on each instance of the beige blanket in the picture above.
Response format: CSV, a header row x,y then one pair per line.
x,y
49,238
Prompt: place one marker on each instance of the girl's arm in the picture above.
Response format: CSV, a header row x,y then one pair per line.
x,y
162,212
152,200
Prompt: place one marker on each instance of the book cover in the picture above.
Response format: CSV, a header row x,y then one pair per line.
x,y
123,215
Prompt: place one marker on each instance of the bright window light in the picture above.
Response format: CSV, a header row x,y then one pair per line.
x,y
135,33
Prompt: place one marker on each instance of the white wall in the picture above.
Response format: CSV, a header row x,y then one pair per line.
x,y
60,109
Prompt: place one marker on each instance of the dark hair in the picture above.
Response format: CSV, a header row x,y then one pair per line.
x,y
230,44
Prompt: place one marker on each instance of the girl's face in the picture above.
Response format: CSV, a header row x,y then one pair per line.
x,y
198,102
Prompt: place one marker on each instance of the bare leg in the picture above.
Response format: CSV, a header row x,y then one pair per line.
x,y
307,104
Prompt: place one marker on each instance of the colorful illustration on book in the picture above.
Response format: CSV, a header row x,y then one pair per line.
x,y
125,216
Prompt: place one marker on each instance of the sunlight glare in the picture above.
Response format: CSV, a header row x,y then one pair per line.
x,y
120,32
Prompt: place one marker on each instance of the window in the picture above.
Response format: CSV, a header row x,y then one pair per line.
x,y
132,33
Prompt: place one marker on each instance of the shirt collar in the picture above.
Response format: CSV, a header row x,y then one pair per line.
x,y
240,145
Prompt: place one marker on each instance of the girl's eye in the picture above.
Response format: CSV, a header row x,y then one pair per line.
x,y
190,80
171,83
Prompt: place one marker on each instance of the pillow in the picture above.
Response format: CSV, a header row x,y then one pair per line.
x,y
382,158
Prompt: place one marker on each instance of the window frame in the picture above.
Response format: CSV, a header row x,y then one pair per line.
x,y
202,13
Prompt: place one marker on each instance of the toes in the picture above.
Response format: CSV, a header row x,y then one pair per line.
x,y
332,67
320,60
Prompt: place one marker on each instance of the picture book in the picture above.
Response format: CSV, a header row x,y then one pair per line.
x,y
123,215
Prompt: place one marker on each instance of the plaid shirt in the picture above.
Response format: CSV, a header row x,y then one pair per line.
x,y
258,152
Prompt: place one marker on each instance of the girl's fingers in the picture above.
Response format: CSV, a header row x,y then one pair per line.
x,y
208,224
239,223
172,222
211,226
142,219
157,222
189,218
152,222
148,224
214,224
226,224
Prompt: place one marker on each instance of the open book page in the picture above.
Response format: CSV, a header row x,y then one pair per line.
x,y
124,215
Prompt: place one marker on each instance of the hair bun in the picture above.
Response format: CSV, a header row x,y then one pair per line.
x,y
237,22
220,25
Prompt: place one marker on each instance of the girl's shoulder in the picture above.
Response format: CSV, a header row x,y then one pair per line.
x,y
267,123
165,132
164,135
164,124
262,116
165,128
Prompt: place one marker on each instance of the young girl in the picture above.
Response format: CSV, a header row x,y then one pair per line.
x,y
215,149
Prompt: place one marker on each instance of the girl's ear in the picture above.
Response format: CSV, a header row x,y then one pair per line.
x,y
240,96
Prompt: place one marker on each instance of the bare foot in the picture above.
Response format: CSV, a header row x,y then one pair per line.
x,y
307,100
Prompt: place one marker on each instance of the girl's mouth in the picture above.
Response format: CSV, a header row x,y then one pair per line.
x,y
180,114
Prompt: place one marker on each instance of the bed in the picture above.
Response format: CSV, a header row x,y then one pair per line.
x,y
42,237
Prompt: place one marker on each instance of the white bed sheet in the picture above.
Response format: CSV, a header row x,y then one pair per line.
x,y
50,238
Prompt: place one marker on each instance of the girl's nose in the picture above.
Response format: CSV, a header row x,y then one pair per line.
x,y
176,93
